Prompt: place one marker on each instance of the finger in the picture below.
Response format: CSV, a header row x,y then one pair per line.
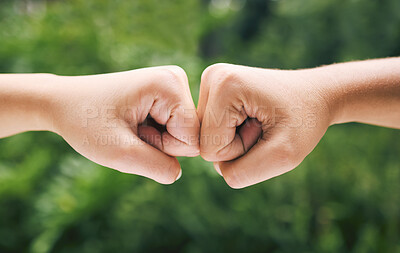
x,y
267,159
184,126
151,136
223,114
174,147
175,109
204,91
140,158
249,133
165,141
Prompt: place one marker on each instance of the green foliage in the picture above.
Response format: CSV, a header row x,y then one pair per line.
x,y
345,196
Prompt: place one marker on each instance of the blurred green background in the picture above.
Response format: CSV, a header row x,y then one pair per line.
x,y
345,196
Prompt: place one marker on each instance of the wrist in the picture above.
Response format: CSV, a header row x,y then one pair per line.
x,y
41,91
361,91
26,102
324,84
48,100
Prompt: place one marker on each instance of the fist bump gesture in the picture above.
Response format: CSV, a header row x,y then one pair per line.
x,y
252,123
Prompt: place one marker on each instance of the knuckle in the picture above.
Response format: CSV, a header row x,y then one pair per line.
x,y
210,148
226,152
227,80
207,154
213,70
174,74
172,80
219,74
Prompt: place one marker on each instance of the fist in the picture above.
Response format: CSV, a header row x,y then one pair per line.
x,y
258,123
135,121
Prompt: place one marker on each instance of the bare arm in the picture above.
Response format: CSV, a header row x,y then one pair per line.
x,y
363,91
25,103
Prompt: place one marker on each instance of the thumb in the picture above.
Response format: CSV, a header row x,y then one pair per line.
x,y
268,158
249,132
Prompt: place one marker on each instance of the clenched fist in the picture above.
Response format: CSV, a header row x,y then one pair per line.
x,y
134,121
259,123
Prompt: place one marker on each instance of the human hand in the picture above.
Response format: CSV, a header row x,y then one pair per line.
x,y
102,116
286,115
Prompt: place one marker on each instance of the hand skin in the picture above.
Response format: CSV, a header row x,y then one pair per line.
x,y
101,116
287,112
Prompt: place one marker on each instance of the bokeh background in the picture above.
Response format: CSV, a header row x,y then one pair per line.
x,y
345,196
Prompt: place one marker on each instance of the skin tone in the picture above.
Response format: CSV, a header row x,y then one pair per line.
x,y
105,117
259,123
255,123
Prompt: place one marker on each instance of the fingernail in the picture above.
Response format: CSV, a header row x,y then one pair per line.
x,y
216,166
179,176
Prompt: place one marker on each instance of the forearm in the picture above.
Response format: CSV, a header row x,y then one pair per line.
x,y
25,103
365,91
